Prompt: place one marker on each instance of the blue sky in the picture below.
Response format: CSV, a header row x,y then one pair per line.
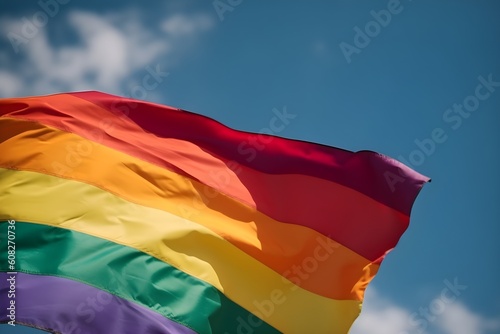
x,y
415,80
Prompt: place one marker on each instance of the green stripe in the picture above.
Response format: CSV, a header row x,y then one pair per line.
x,y
129,274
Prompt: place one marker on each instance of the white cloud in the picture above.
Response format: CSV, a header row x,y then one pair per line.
x,y
9,84
110,50
389,320
181,25
381,316
458,319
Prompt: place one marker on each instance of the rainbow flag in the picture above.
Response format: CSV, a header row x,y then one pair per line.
x,y
133,217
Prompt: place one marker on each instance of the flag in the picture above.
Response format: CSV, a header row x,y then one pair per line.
x,y
134,217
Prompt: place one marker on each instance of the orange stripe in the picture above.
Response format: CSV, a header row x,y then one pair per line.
x,y
343,214
303,255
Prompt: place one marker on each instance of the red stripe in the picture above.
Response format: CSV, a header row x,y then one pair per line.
x,y
364,171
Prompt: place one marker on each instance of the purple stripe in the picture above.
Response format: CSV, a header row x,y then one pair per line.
x,y
70,307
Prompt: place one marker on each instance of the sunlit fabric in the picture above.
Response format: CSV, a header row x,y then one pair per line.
x,y
174,223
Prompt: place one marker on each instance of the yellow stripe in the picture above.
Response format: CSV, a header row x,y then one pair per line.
x,y
190,247
278,245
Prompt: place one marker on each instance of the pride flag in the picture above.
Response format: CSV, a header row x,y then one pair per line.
x,y
133,217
